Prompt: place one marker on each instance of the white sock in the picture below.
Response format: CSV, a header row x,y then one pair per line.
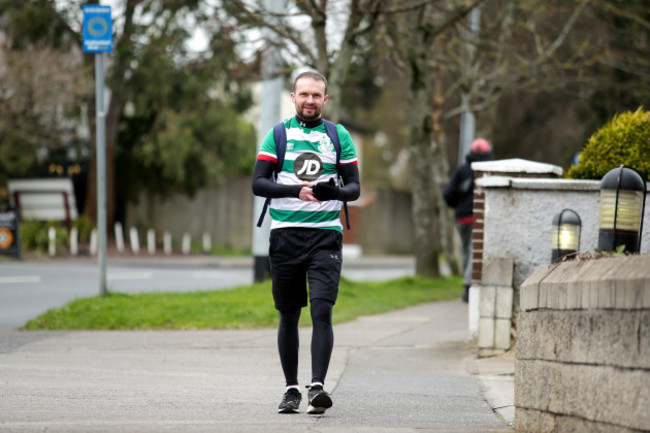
x,y
317,384
293,386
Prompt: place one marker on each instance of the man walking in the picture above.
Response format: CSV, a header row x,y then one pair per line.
x,y
306,231
459,194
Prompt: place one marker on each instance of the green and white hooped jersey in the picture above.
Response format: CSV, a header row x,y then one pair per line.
x,y
310,157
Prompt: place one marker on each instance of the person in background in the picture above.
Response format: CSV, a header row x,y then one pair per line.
x,y
459,194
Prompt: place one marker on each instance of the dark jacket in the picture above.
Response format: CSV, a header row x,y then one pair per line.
x,y
459,191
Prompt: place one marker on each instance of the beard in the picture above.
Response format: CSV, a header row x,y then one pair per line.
x,y
315,113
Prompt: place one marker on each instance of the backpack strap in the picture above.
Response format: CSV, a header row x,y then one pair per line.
x,y
267,202
332,133
280,138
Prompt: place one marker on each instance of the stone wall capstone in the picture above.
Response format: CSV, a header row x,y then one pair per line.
x,y
583,347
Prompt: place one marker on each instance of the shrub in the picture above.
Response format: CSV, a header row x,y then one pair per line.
x,y
85,227
624,140
34,235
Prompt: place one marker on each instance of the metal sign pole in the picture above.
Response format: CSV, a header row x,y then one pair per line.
x,y
101,170
467,118
98,39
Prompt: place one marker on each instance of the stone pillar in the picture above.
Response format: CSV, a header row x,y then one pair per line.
x,y
507,168
513,168
495,306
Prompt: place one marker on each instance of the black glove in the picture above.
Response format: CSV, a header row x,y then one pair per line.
x,y
324,191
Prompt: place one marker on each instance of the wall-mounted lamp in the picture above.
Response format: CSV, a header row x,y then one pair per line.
x,y
566,234
622,202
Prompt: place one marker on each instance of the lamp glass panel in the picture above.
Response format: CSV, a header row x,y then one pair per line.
x,y
628,216
568,237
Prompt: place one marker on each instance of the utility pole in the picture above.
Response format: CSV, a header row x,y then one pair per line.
x,y
271,92
467,135
467,119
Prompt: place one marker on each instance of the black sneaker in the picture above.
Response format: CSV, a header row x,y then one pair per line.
x,y
319,400
290,401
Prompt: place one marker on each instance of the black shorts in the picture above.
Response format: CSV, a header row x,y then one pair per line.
x,y
298,255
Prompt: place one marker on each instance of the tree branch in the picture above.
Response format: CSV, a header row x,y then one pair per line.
x,y
568,25
257,19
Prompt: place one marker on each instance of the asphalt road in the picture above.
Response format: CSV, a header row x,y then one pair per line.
x,y
29,288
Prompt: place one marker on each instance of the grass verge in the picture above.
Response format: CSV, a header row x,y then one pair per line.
x,y
243,307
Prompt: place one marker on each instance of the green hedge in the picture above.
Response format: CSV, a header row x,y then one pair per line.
x,y
34,235
624,140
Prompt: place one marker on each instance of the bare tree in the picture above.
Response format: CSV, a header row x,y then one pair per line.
x,y
413,30
317,47
526,44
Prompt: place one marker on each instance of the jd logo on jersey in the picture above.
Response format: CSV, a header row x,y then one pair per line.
x,y
308,167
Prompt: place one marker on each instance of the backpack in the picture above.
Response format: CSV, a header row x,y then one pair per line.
x,y
280,138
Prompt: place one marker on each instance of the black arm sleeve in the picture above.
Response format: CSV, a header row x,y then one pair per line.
x,y
264,186
352,187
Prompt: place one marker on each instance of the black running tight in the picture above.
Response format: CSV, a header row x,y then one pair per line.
x,y
322,341
288,344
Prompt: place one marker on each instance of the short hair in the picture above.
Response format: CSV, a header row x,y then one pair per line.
x,y
314,75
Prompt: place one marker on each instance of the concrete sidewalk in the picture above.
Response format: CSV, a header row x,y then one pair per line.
x,y
408,370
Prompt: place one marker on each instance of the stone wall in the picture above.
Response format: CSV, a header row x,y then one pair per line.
x,y
583,347
519,213
514,219
516,200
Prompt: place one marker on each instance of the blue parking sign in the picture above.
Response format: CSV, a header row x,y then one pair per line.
x,y
97,29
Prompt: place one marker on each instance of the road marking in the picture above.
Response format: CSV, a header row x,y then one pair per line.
x,y
118,276
207,275
14,280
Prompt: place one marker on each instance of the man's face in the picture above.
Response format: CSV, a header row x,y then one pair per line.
x,y
309,98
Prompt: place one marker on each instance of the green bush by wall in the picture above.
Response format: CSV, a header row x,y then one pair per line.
x,y
624,140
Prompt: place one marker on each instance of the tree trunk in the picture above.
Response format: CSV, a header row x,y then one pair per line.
x,y
338,70
423,154
425,212
449,241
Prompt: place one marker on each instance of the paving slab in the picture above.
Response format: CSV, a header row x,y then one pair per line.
x,y
404,371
